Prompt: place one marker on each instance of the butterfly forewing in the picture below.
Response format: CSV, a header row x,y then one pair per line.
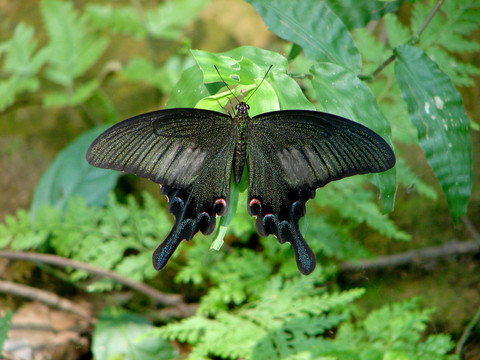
x,y
292,153
169,147
189,152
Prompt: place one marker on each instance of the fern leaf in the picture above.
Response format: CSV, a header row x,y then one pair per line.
x,y
72,47
21,64
449,31
122,20
361,209
169,18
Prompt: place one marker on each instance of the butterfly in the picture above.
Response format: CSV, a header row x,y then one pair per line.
x,y
193,154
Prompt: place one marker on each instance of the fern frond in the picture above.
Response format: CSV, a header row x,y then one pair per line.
x,y
448,32
21,64
282,322
99,236
122,20
166,21
72,47
238,277
361,209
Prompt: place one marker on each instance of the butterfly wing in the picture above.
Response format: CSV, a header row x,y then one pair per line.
x,y
293,152
188,151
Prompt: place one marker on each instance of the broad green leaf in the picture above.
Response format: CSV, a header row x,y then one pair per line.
x,y
435,108
230,69
189,89
273,91
341,92
356,14
313,26
290,95
119,334
259,56
69,174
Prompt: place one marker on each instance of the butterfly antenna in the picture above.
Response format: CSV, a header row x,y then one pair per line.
x,y
259,84
218,72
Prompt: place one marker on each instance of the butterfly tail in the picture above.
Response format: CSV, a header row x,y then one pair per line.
x,y
190,218
166,249
283,224
304,255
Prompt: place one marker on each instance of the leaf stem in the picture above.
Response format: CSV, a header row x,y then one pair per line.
x,y
414,40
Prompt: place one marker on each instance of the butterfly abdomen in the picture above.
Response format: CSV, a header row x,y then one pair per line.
x,y
240,154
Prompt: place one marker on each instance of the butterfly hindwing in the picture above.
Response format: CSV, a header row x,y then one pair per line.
x,y
189,152
294,152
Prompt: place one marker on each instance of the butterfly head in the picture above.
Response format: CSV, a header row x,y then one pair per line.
x,y
242,108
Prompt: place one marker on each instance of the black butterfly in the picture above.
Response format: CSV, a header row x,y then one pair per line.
x,y
192,153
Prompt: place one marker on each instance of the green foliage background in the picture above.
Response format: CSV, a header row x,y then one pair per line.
x,y
252,303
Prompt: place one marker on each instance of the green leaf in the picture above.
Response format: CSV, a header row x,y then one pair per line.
x,y
69,174
81,94
72,47
356,14
188,90
398,33
19,52
239,67
450,32
435,108
313,26
4,326
118,335
168,19
343,94
123,20
290,95
20,65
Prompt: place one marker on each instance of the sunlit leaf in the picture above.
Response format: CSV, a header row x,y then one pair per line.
x,y
313,26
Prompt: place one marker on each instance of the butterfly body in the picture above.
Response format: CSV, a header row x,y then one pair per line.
x,y
242,121
193,153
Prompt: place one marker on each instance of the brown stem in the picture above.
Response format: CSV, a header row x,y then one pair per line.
x,y
157,296
471,229
412,257
45,297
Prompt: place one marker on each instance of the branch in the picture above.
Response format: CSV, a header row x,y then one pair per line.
x,y
157,296
412,257
413,41
466,334
45,297
471,229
